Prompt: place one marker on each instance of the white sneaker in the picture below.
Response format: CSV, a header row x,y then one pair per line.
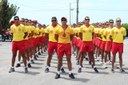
x,y
105,65
109,63
101,63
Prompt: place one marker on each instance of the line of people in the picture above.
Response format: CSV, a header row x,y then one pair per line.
x,y
87,40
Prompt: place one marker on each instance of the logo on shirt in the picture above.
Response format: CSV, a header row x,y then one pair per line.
x,y
116,32
121,32
51,31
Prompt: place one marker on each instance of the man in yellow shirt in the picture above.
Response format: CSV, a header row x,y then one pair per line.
x,y
52,43
18,44
86,35
64,35
108,44
118,34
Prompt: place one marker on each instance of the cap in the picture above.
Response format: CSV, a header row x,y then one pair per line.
x,y
54,18
16,18
87,17
111,20
63,18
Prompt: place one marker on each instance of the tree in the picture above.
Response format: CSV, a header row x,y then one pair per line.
x,y
125,25
7,11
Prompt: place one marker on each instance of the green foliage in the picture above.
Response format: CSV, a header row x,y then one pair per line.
x,y
7,11
125,25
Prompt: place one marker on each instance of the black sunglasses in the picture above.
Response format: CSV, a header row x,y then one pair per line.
x,y
118,21
87,19
111,22
16,19
53,20
63,20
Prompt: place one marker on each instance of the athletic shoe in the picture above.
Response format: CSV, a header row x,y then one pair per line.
x,y
46,70
32,61
26,70
122,70
79,70
57,76
29,65
95,69
11,70
71,76
62,70
18,65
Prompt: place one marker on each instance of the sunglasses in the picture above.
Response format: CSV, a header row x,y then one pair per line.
x,y
63,20
118,21
53,20
111,22
16,19
87,19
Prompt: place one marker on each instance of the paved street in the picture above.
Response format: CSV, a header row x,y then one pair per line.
x,y
37,76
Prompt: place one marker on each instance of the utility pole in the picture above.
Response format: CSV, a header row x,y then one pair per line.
x,y
70,13
77,11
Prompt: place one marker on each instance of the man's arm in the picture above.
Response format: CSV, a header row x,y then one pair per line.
x,y
56,37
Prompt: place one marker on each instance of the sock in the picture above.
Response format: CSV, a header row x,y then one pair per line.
x,y
58,72
69,72
12,67
94,66
47,66
18,62
79,66
62,67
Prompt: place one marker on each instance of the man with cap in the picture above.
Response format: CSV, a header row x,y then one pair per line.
x,y
19,34
86,35
117,36
64,35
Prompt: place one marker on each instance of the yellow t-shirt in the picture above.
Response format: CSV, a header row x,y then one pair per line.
x,y
18,32
103,34
28,31
51,31
36,32
64,36
32,28
42,31
77,32
107,34
87,32
118,34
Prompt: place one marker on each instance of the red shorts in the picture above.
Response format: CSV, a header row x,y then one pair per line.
x,y
64,49
74,41
103,45
117,47
26,44
108,46
43,40
40,40
94,40
18,45
36,41
79,43
52,46
87,46
99,42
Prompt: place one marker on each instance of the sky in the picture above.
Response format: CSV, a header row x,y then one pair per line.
x,y
97,10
